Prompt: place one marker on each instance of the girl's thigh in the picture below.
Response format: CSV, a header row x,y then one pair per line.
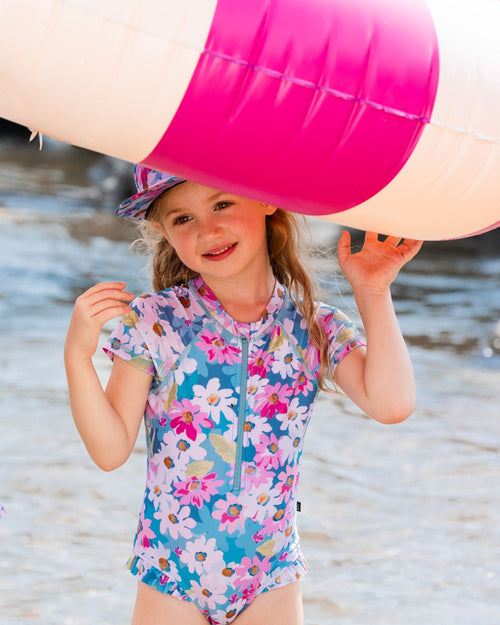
x,y
155,608
281,606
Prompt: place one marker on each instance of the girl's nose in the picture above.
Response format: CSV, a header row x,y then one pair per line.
x,y
209,226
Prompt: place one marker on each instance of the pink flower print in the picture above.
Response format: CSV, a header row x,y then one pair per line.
x,y
268,452
257,538
286,481
275,332
188,418
229,513
278,523
217,350
195,491
255,475
251,572
304,383
250,593
144,531
312,357
260,363
149,318
272,399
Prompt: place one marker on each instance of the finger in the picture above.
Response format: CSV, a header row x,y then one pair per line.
x,y
412,244
108,304
392,241
106,315
344,247
104,286
371,236
410,248
89,299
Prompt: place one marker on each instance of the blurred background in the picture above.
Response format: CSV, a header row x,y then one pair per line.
x,y
400,524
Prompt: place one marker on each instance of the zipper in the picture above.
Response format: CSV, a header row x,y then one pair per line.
x,y
241,415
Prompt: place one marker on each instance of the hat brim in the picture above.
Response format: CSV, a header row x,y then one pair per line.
x,y
137,206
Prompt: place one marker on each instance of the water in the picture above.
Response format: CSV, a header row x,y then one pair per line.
x,y
400,524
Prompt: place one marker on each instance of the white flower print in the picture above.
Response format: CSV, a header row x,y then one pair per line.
x,y
262,503
202,556
290,448
174,520
165,563
255,386
255,427
285,361
187,367
167,467
184,449
293,420
209,591
216,401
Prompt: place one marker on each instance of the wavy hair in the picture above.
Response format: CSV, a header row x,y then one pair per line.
x,y
286,248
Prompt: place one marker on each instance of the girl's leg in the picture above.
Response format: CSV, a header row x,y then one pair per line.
x,y
155,608
281,606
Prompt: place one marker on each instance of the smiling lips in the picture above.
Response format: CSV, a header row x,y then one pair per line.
x,y
220,253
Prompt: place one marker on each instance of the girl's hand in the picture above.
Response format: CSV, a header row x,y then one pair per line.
x,y
92,310
378,263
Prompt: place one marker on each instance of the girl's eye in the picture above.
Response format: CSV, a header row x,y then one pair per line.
x,y
222,204
182,219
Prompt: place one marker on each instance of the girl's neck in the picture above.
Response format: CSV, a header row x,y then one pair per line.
x,y
244,301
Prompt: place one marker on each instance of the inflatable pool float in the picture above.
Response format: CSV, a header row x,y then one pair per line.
x,y
376,114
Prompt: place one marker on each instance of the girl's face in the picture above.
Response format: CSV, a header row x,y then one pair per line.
x,y
216,234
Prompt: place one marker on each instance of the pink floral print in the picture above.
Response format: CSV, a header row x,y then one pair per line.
x,y
218,521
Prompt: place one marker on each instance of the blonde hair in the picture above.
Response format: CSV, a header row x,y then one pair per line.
x,y
285,246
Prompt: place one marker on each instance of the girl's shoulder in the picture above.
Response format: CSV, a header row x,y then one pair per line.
x,y
327,311
332,318
172,298
177,306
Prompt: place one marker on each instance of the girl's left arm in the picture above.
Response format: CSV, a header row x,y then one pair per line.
x,y
379,379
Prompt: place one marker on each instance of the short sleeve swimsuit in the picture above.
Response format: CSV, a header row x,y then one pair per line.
x,y
225,421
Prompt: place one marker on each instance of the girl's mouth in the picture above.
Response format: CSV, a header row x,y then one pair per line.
x,y
220,253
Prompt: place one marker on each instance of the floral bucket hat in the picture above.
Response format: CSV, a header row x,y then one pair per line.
x,y
150,185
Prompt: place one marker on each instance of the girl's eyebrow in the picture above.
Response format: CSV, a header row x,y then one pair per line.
x,y
181,209
213,197
174,210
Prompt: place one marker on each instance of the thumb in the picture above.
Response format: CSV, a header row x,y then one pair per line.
x,y
344,247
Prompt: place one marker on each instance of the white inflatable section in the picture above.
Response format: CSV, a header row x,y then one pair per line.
x,y
128,100
453,168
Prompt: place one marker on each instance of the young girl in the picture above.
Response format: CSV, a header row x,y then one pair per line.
x,y
224,361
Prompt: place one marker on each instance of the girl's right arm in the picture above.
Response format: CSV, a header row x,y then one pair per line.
x,y
108,421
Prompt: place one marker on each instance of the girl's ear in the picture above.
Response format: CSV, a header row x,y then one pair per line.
x,y
269,209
